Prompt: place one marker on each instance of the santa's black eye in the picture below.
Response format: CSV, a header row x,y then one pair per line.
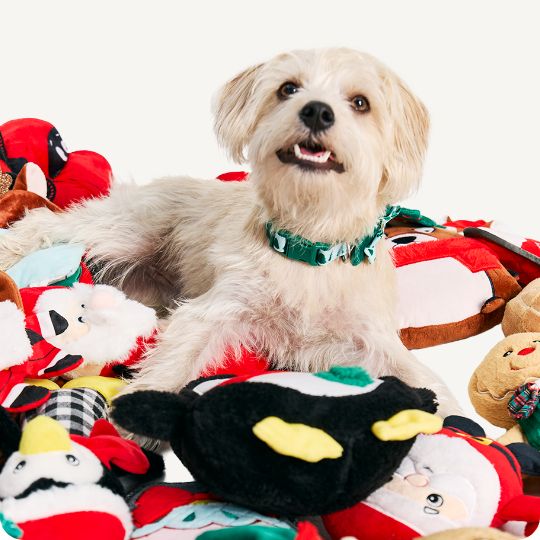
x,y
72,460
287,90
507,353
435,500
83,306
20,466
360,104
80,319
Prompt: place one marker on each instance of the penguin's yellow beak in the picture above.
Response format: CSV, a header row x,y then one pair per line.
x,y
43,434
407,424
297,440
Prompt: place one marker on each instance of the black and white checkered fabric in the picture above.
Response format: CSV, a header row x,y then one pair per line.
x,y
77,409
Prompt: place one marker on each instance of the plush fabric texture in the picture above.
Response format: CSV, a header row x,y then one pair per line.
x,y
520,255
82,512
47,266
479,533
69,482
210,428
477,288
76,331
189,511
71,176
16,347
508,365
306,531
449,480
10,435
77,409
522,314
27,193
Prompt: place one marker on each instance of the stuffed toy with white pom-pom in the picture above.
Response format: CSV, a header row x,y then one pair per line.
x,y
70,331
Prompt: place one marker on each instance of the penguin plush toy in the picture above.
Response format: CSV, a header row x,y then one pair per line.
x,y
286,443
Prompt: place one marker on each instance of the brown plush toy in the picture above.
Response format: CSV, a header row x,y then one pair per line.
x,y
513,362
522,313
29,191
505,387
483,533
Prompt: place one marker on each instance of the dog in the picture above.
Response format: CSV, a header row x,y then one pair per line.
x,y
333,137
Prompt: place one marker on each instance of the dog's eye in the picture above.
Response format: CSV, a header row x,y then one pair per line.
x,y
507,353
287,90
360,104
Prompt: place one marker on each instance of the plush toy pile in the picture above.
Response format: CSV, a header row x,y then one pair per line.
x,y
274,454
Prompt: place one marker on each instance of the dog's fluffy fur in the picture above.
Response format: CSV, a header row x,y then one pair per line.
x,y
200,245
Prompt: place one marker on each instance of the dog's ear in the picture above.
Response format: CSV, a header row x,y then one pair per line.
x,y
235,112
151,413
408,141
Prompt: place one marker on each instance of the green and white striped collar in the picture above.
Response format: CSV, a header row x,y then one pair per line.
x,y
300,249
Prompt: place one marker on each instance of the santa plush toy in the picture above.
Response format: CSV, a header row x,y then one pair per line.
x,y
454,478
70,331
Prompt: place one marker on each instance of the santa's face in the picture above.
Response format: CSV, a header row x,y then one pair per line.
x,y
443,483
63,316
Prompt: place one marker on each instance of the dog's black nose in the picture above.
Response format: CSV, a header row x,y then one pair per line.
x,y
317,116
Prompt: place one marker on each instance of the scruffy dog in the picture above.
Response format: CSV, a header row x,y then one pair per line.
x,y
332,137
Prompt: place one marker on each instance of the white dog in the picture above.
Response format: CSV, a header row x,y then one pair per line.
x,y
333,137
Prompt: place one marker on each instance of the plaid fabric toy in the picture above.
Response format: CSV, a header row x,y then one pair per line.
x,y
522,407
77,409
524,400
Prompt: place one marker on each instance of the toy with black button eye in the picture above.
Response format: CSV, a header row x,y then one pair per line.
x,y
79,331
449,480
54,485
286,443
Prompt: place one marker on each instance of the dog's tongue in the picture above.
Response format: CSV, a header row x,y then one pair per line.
x,y
308,152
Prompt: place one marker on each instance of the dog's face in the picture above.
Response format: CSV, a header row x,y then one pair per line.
x,y
332,136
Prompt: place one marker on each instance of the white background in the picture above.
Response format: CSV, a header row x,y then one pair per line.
x,y
134,80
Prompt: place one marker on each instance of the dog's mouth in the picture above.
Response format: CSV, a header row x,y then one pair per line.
x,y
311,156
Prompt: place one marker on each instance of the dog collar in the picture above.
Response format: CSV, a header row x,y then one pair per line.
x,y
299,248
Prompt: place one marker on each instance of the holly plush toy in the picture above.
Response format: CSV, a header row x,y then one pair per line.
x,y
187,511
451,479
70,331
71,176
275,442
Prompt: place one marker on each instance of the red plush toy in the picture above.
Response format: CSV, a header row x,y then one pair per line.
x,y
60,487
519,255
187,511
71,176
454,478
50,331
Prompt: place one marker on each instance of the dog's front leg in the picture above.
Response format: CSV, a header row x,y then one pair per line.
x,y
196,335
